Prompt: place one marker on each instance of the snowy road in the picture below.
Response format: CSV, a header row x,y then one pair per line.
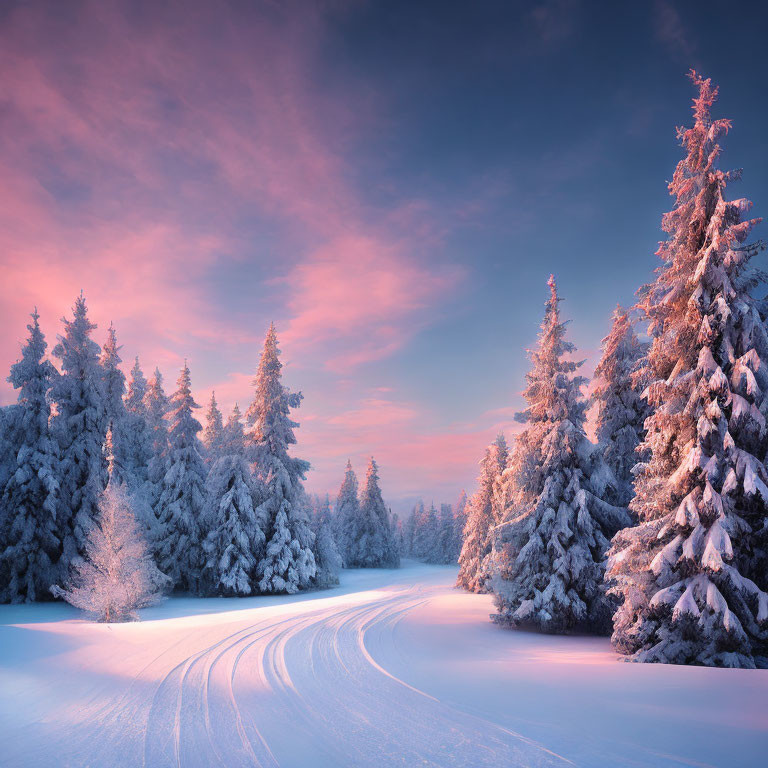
x,y
392,668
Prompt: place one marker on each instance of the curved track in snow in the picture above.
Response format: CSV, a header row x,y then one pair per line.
x,y
291,683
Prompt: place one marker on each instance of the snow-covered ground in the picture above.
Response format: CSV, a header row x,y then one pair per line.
x,y
390,668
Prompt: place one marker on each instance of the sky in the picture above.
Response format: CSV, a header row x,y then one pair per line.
x,y
390,183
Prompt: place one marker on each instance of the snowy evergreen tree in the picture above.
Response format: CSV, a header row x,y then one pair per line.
x,y
213,435
550,549
181,507
459,523
692,574
80,427
481,519
117,575
289,564
371,543
233,437
31,543
235,541
327,557
443,553
137,434
113,388
427,535
155,408
347,512
621,409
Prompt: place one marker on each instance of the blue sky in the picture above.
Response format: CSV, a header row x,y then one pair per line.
x,y
390,182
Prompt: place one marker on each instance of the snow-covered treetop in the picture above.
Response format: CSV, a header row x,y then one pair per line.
x,y
214,427
155,399
348,489
114,379
31,369
76,350
137,389
701,257
184,426
553,392
269,413
371,494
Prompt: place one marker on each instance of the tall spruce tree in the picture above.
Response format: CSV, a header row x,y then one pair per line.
x,y
113,386
550,549
80,427
213,434
371,542
182,503
31,539
692,574
481,519
621,409
137,434
288,564
235,541
156,407
347,511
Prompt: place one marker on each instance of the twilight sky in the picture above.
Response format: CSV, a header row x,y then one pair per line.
x,y
390,182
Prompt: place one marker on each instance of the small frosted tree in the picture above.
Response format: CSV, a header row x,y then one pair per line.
x,y
371,543
481,519
327,557
692,574
235,541
550,549
117,575
347,512
288,564
621,409
80,426
31,543
181,507
213,434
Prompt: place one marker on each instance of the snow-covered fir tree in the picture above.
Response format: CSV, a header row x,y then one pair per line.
x,y
481,519
155,409
347,512
31,543
181,506
692,574
620,407
419,539
443,553
213,434
550,548
235,541
409,530
327,557
113,388
371,543
117,575
427,535
288,564
233,435
138,447
80,426
459,522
